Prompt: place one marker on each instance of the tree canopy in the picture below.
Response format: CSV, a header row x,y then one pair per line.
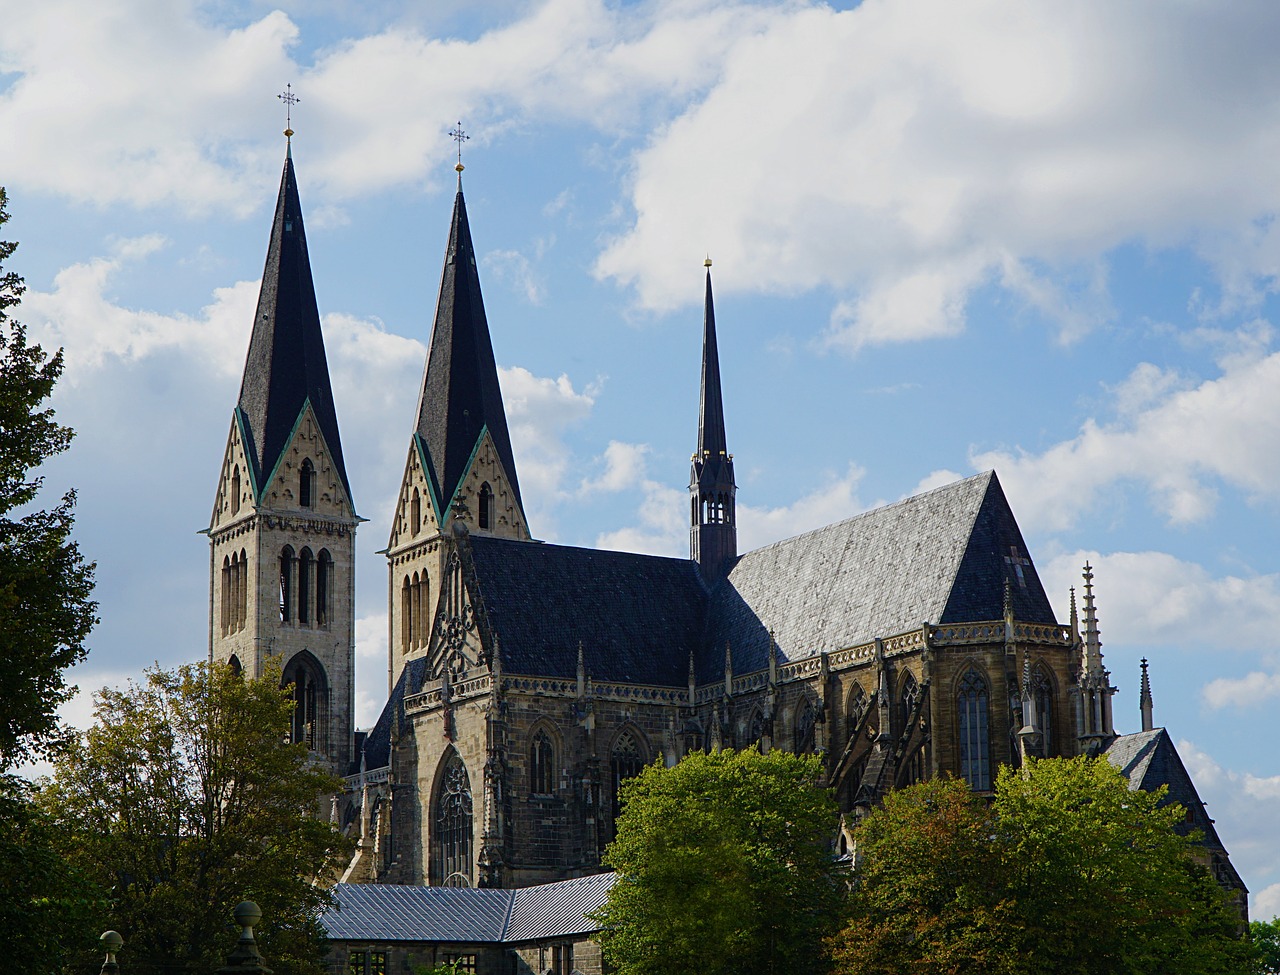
x,y
185,798
46,611
1266,938
725,867
1068,870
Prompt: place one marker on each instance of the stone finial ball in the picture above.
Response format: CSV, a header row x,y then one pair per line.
x,y
247,914
111,941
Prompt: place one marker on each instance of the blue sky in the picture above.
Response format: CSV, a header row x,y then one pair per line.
x,y
947,236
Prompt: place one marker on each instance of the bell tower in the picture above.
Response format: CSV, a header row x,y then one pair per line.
x,y
713,519
282,533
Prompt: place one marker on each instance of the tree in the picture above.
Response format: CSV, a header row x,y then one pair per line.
x,y
184,799
1068,870
45,584
724,866
1266,938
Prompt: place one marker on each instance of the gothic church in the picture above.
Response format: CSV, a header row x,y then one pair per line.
x,y
527,680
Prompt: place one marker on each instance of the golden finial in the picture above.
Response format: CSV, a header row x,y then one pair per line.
x,y
459,137
290,99
707,262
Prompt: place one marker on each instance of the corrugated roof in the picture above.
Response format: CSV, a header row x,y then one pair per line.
x,y
392,912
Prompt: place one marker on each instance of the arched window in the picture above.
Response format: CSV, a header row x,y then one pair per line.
x,y
406,616
624,763
309,691
805,728
242,587
306,568
755,730
234,664
415,513
307,484
421,610
542,765
235,489
975,738
324,586
1042,693
451,864
910,694
286,584
228,595
485,515
856,708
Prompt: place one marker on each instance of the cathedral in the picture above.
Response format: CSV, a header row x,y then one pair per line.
x,y
527,680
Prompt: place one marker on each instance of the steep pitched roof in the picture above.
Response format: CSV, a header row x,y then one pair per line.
x,y
460,395
638,617
377,744
941,557
385,913
712,444
285,367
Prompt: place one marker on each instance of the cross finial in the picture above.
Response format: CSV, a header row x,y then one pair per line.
x,y
459,136
290,99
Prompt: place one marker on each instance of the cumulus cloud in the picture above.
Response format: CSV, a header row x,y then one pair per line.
x,y
1242,692
1152,599
1175,438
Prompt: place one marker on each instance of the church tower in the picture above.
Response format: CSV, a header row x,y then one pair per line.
x,y
282,535
460,474
713,526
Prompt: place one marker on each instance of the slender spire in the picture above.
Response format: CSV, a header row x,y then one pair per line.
x,y
713,533
1144,700
286,367
460,396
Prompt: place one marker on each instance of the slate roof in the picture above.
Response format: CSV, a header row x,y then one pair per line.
x,y
285,366
460,396
711,436
390,913
638,617
938,557
377,744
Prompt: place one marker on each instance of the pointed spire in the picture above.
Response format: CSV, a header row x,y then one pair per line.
x,y
1145,702
285,367
713,533
460,395
1092,636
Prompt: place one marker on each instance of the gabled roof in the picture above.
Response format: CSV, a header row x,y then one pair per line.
x,y
638,617
460,396
377,744
939,557
285,367
383,913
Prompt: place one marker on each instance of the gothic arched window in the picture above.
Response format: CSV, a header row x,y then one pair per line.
x,y
542,765
805,728
228,595
910,694
624,763
235,665
307,484
306,569
484,518
235,489
972,702
755,730
406,615
856,708
451,864
1042,694
415,513
286,584
309,690
324,586
242,588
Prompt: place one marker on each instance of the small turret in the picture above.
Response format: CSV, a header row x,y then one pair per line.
x,y
1095,679
713,531
1144,700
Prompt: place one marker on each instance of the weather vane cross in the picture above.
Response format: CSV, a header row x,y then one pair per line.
x,y
290,99
458,136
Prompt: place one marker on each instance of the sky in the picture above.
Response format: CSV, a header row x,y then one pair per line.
x,y
947,235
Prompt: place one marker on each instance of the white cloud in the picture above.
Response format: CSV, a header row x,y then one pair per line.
x,y
1266,903
79,316
624,467
1152,599
1176,440
1248,691
516,273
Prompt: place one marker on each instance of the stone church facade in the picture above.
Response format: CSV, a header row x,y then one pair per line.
x,y
527,680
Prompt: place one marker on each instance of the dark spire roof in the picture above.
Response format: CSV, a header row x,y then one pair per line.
x,y
460,394
711,438
286,364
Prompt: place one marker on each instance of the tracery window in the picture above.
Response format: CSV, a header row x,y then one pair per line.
x,y
542,771
856,708
1042,694
306,678
755,730
451,865
972,707
484,518
910,694
806,724
624,763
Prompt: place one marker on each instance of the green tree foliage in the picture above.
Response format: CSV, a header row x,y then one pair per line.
x,y
184,799
1067,871
1266,938
725,867
45,584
